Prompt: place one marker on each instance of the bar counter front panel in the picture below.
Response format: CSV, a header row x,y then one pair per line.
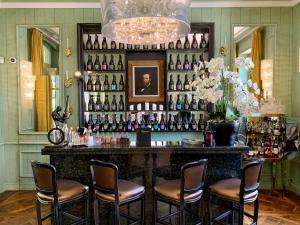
x,y
146,165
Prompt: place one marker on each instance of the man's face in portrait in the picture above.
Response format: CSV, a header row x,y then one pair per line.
x,y
146,79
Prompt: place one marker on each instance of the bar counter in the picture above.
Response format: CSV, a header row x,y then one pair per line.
x,y
146,165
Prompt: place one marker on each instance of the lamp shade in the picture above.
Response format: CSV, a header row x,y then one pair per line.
x,y
145,21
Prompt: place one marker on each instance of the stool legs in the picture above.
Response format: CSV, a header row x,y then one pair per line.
x,y
256,206
143,211
96,211
87,206
117,214
38,212
241,214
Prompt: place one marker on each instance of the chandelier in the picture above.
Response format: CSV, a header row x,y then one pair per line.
x,y
145,21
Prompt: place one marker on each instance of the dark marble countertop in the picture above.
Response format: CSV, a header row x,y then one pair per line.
x,y
155,148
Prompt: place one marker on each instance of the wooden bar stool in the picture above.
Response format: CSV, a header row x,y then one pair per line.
x,y
109,189
237,192
49,190
188,189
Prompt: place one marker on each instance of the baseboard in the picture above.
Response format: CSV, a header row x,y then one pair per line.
x,y
29,186
294,188
11,187
1,188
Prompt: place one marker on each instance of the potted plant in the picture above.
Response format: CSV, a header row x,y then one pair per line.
x,y
230,97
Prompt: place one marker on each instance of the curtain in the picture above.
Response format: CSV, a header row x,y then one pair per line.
x,y
43,95
256,55
235,55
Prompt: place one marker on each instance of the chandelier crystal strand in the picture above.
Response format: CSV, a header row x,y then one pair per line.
x,y
145,21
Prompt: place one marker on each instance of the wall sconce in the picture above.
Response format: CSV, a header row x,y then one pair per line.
x,y
266,72
68,81
223,49
78,75
68,51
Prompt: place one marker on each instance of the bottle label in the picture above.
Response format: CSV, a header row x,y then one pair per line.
x,y
186,126
178,87
113,87
104,67
186,66
194,126
121,87
89,87
178,106
97,107
96,67
105,107
187,87
90,107
89,67
97,87
111,67
186,106
105,126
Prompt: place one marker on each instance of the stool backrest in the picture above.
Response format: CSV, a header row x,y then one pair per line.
x,y
192,176
45,178
104,176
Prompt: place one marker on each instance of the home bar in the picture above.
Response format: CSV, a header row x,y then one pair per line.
x,y
149,112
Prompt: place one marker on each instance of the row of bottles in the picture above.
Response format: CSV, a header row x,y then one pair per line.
x,y
186,86
97,66
185,104
104,86
107,105
187,44
186,65
174,123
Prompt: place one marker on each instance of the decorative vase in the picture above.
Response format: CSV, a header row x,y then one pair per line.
x,y
225,133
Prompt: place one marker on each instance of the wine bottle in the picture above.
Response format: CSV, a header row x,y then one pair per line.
x,y
104,63
98,105
202,41
114,104
162,124
114,125
178,63
185,122
143,122
178,103
106,123
121,84
171,63
114,86
89,44
113,45
129,46
145,47
97,65
106,84
98,124
171,103
106,106
171,45
201,104
171,83
178,44
121,104
121,45
154,46
178,84
91,104
195,42
170,123
193,103
97,85
193,123
201,123
178,122
187,43
186,84
186,64
89,63
129,124
186,104
155,123
162,46
85,122
96,42
136,123
111,63
120,63
90,123
194,62
104,43
194,88
121,126
89,84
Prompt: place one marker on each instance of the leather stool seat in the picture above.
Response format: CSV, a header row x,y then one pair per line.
x,y
171,191
230,189
127,191
68,190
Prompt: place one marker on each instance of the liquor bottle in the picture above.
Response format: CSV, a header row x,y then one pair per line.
x,y
201,104
104,43
145,47
114,86
106,84
186,104
162,46
121,104
178,63
96,42
187,43
178,44
91,104
143,122
97,85
170,123
149,123
171,83
162,124
186,84
171,45
90,122
97,65
106,106
89,63
193,123
194,88
98,105
129,46
193,104
85,122
121,126
155,122
202,41
120,63
113,45
114,104
201,123
201,59
171,103
106,123
114,125
178,122
89,44
129,124
186,64
121,45
154,46
136,123
104,63
121,84
89,84
194,62
111,63
178,103
171,63
178,84
98,124
185,122
194,43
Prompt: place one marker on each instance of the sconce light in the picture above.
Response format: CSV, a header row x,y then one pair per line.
x,y
68,51
267,77
68,81
223,49
78,75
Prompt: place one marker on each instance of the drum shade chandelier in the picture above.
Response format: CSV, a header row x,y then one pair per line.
x,y
144,22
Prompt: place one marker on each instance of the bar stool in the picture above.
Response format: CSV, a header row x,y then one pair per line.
x,y
237,192
188,189
49,190
109,189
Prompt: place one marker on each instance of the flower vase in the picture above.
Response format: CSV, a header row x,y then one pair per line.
x,y
225,132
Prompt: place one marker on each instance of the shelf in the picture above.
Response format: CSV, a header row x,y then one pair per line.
x,y
137,111
155,131
186,110
180,91
104,51
104,91
105,71
180,71
104,111
188,50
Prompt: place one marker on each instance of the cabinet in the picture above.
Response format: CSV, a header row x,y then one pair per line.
x,y
104,63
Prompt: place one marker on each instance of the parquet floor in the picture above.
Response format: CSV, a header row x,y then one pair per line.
x,y
18,208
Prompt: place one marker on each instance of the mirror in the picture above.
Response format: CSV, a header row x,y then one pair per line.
x,y
39,76
258,43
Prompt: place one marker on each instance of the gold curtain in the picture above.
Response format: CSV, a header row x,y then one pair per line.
x,y
256,54
235,55
43,95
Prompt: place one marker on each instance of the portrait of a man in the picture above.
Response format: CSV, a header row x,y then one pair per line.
x,y
146,80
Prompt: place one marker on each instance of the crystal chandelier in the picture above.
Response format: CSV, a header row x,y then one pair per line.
x,y
145,21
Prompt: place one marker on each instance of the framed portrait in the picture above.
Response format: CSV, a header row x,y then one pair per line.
x,y
145,81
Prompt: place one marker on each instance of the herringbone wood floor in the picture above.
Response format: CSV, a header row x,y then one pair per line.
x,y
18,208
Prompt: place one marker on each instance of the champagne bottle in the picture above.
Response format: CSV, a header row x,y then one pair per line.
x,y
193,103
121,84
89,84
98,105
162,125
162,46
186,104
114,125
114,104
201,123
194,62
104,63
121,126
121,104
171,103
186,84
155,122
178,84
171,63
106,106
106,123
202,41
178,103
194,88
98,124
111,63
178,63
89,63
91,104
193,123
121,45
113,45
185,122
171,83
97,65
96,42
179,122
170,123
114,86
106,84
104,43
201,104
195,42
88,44
90,122
120,63
178,44
97,84
187,43
171,45
186,64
